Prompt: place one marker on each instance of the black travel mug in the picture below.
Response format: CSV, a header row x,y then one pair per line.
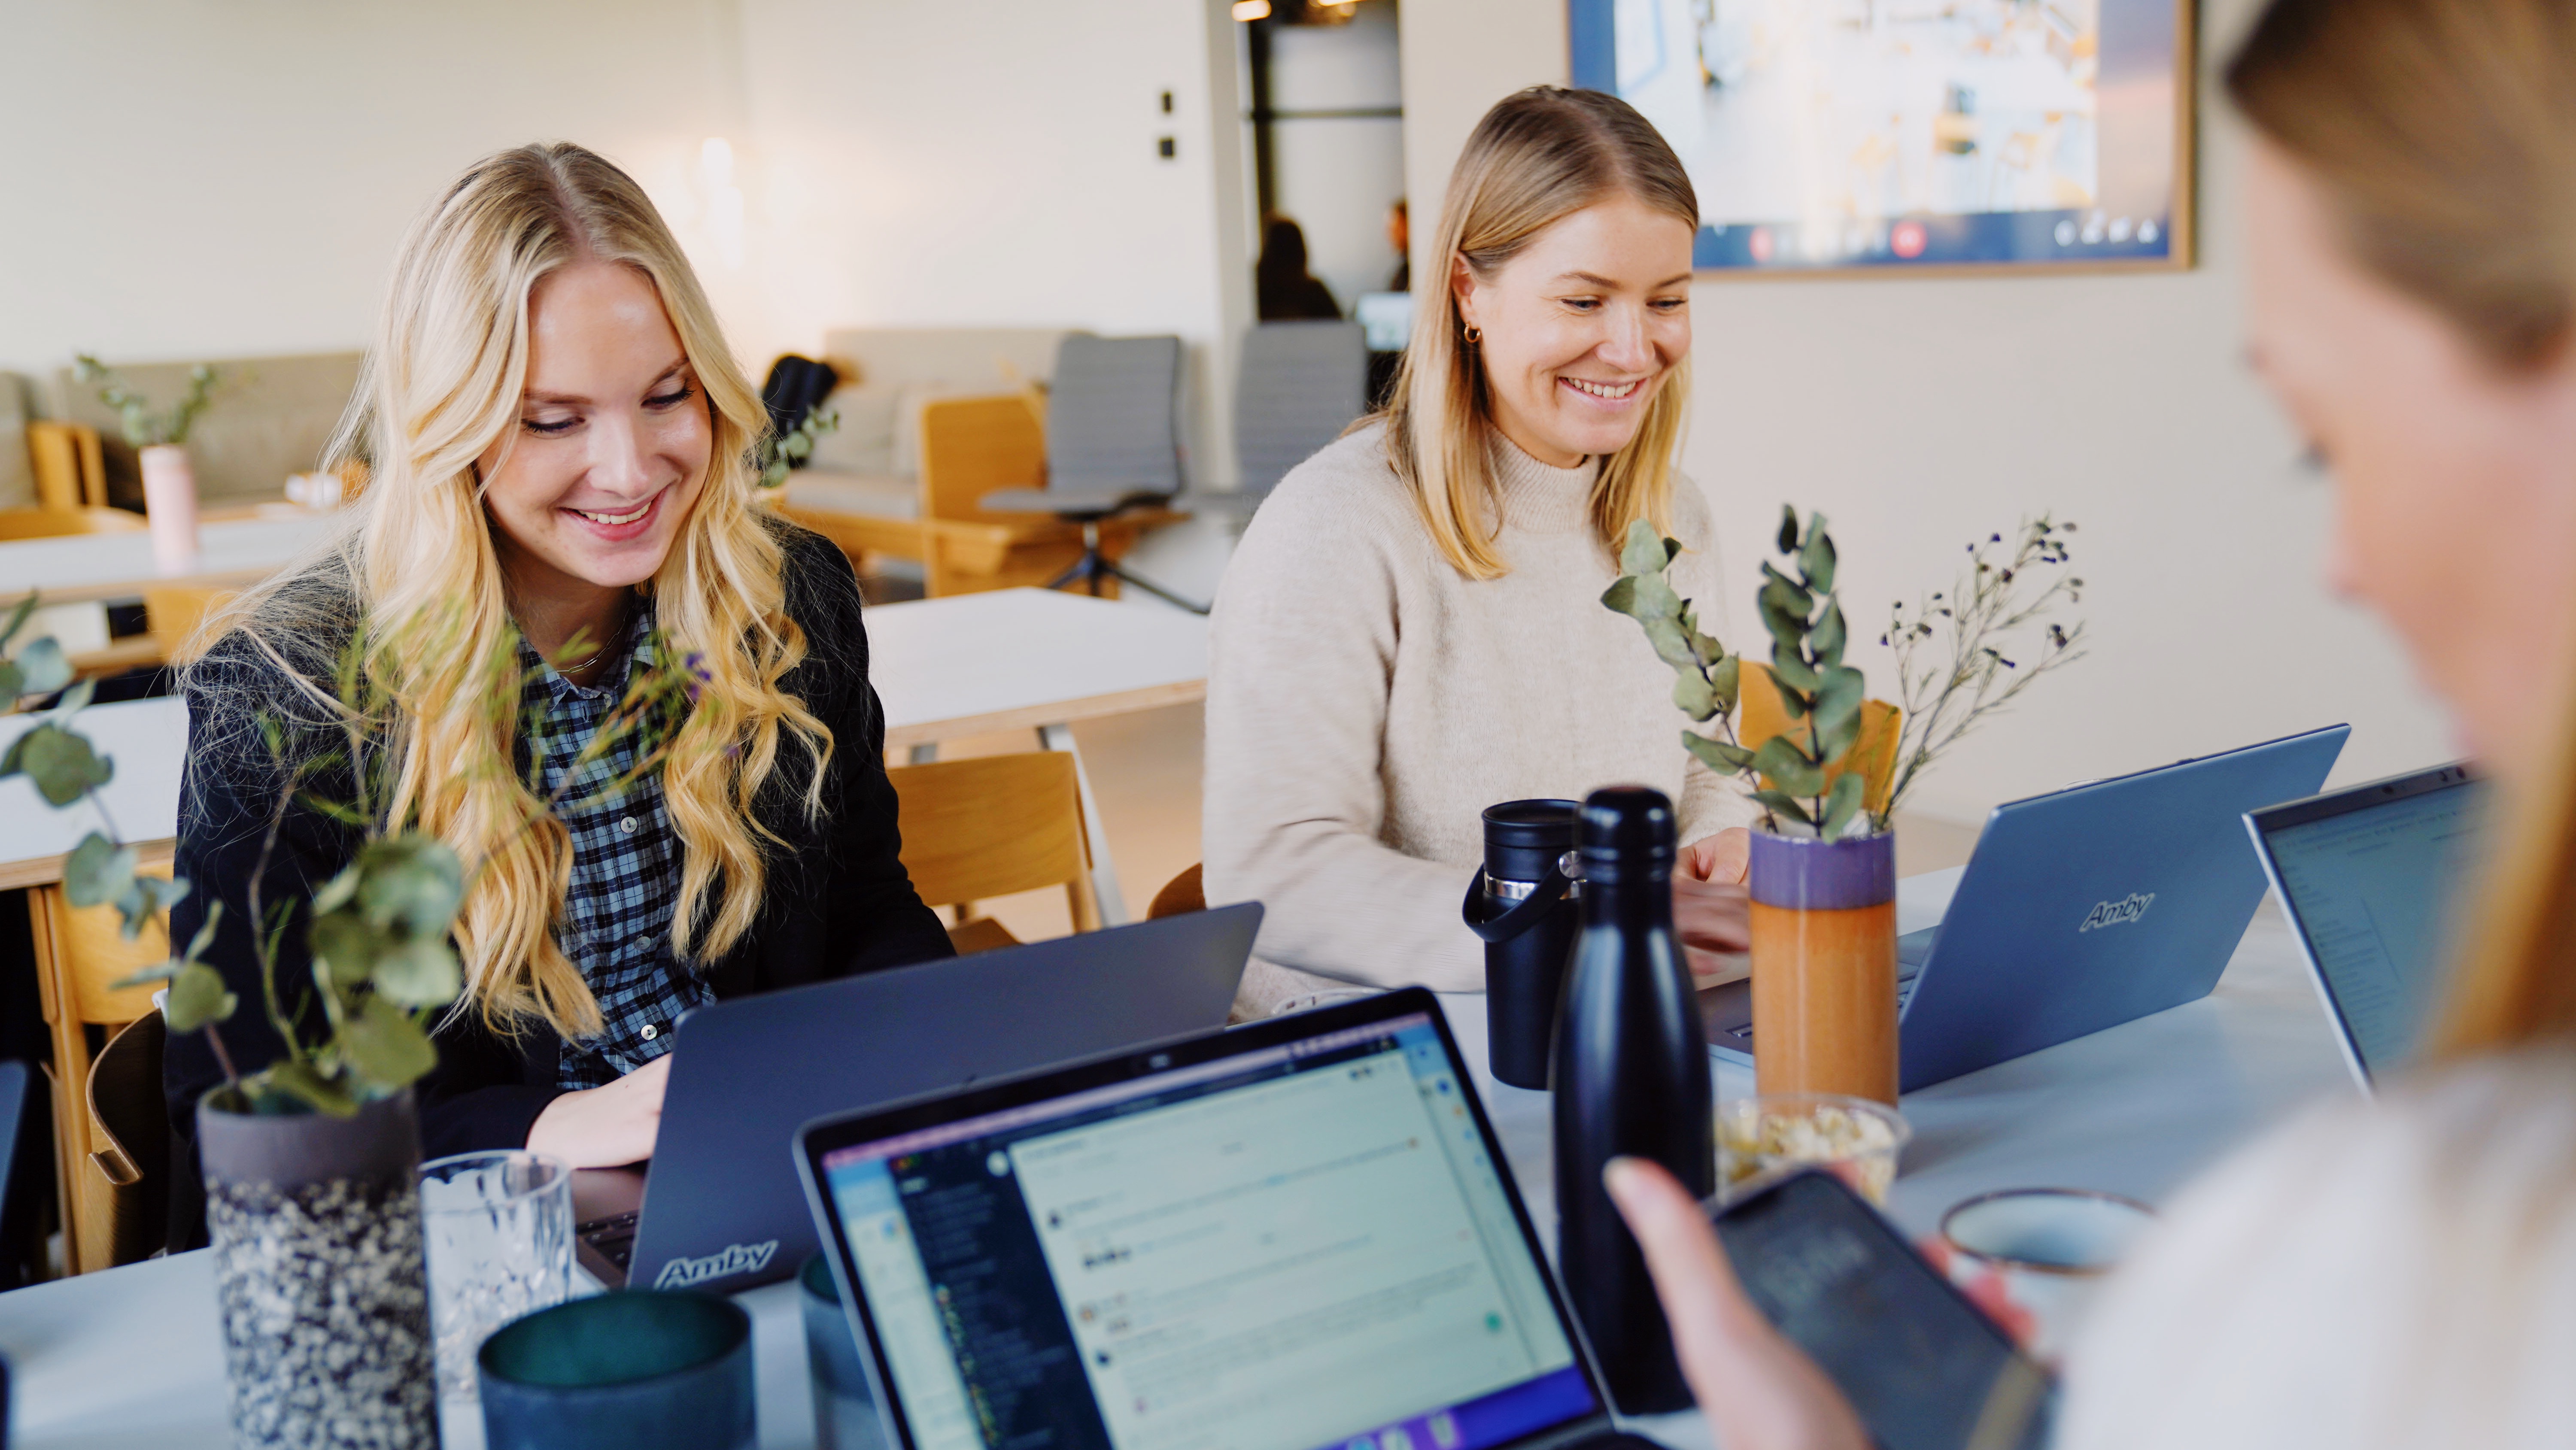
x,y
1526,910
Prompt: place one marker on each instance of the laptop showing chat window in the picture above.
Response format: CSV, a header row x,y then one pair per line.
x,y
1293,1235
2369,876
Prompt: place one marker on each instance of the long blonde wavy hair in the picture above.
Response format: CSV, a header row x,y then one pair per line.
x,y
2444,138
417,581
1538,156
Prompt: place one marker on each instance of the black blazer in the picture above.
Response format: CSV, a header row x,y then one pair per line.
x,y
837,901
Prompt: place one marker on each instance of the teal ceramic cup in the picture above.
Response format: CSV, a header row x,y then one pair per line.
x,y
845,1410
637,1370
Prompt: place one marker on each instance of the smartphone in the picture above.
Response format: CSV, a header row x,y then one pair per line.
x,y
1924,1368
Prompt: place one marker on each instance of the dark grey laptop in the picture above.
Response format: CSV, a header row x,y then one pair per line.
x,y
1299,1233
720,1207
2080,910
2368,876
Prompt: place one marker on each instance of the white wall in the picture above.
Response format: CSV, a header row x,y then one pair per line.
x,y
1338,176
1919,412
192,178
994,162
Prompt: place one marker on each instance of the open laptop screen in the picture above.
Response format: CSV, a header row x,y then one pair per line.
x,y
2369,875
1286,1248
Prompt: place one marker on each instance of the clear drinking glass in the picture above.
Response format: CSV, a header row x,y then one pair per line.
x,y
499,1233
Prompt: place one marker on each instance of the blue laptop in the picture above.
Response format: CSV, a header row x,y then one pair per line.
x,y
2080,910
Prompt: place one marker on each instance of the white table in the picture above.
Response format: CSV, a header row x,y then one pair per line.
x,y
146,741
131,1357
1023,659
119,566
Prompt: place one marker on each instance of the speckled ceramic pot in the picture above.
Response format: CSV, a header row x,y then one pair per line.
x,y
321,1278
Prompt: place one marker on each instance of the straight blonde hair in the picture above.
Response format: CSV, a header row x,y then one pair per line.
x,y
1537,157
2444,137
418,583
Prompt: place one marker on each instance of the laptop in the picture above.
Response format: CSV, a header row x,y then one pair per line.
x,y
719,1208
2080,910
1293,1234
2368,876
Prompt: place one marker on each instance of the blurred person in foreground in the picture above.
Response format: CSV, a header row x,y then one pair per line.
x,y
1283,290
558,501
1411,629
2401,1271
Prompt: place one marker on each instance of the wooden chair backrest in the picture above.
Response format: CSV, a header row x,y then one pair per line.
x,y
53,523
973,446
994,825
71,470
79,951
1762,716
176,613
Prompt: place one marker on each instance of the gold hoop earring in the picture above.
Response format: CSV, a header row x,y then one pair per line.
x,y
1475,335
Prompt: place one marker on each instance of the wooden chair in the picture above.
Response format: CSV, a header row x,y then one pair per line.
x,y
100,1175
71,471
1873,755
1181,895
991,826
971,447
176,614
53,523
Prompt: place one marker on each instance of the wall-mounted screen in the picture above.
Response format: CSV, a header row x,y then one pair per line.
x,y
1833,134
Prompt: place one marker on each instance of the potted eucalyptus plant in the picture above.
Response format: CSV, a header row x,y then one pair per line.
x,y
160,443
310,1162
1834,765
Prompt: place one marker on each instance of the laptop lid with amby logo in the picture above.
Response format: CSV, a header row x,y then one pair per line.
x,y
2099,904
722,1209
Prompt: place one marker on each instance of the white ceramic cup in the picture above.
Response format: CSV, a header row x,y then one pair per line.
x,y
2033,1257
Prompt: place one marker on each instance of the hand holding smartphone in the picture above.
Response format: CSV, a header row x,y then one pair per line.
x,y
1920,1364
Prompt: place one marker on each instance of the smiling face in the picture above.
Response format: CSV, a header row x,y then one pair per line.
x,y
2455,479
590,489
1582,327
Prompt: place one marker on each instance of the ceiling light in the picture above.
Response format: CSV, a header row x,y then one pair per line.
x,y
1248,11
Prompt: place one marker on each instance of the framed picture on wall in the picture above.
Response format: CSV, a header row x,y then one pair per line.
x,y
1885,135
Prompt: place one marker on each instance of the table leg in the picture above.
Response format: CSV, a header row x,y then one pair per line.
x,y
1104,873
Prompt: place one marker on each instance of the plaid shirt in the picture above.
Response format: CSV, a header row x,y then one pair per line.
x,y
616,919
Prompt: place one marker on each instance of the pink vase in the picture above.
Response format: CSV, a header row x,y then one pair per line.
x,y
170,504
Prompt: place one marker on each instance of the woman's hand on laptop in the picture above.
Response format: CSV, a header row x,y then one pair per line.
x,y
1759,1391
605,1127
1711,913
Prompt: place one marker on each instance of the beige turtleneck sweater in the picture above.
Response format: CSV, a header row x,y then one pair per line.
x,y
1366,702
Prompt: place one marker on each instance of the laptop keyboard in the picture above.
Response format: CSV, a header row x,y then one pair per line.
x,y
613,1236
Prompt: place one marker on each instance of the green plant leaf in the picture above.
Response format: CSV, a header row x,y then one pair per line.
x,y
295,1080
385,1047
1838,705
1654,599
1644,551
1788,767
1843,804
346,946
146,976
43,667
413,881
74,700
419,974
1827,639
197,997
205,936
1725,680
149,897
1692,696
1793,673
1788,529
1671,646
335,893
98,871
1717,755
61,764
1621,596
1784,805
1816,560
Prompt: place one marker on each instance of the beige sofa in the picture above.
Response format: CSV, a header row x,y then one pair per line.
x,y
271,417
863,487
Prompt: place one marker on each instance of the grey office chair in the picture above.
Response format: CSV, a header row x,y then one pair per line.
x,y
1300,385
1113,443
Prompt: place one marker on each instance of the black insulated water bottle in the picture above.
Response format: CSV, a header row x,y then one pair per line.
x,y
1524,907
1631,1079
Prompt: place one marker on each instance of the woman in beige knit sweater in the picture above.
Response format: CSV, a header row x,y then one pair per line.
x,y
1411,630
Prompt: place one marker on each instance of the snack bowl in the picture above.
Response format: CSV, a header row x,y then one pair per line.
x,y
1761,1138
